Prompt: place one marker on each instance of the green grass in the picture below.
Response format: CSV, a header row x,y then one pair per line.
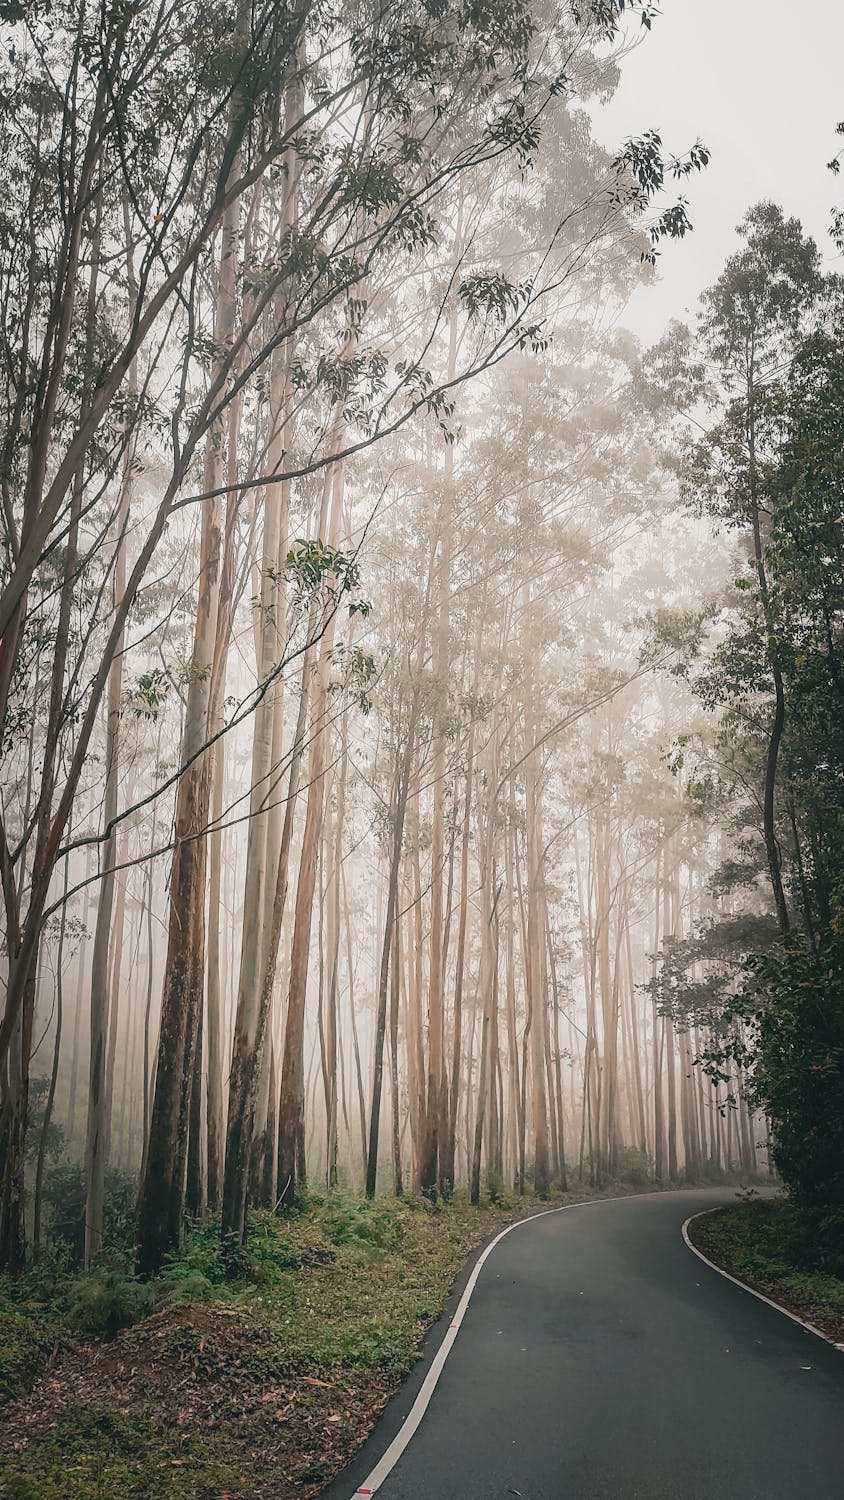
x,y
254,1374
784,1252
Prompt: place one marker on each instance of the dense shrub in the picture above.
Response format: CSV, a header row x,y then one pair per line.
x,y
64,1202
203,1267
798,1077
356,1222
107,1298
633,1168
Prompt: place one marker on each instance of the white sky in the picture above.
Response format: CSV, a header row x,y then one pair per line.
x,y
761,82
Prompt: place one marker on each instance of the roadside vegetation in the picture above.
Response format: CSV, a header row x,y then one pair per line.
x,y
256,1373
776,1248
763,978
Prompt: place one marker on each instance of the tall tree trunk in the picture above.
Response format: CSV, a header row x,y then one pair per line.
x,y
162,1194
96,1136
447,1178
395,987
399,810
54,1074
537,989
292,1093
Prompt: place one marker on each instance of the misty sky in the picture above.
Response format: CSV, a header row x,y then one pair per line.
x,y
760,81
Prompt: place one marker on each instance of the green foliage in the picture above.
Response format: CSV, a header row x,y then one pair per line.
x,y
325,1317
64,1201
27,1337
799,1067
763,297
633,1169
643,169
360,1224
498,1194
204,1268
107,1298
771,467
31,1320
785,1249
39,1089
149,695
313,565
698,976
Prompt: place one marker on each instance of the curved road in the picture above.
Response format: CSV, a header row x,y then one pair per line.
x,y
599,1357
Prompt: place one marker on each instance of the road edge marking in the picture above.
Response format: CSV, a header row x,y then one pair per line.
x,y
744,1286
409,1426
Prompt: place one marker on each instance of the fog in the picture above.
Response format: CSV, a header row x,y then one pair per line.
x,y
364,791
759,84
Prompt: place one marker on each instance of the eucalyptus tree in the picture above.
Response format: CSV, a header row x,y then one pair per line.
x,y
147,156
767,297
766,991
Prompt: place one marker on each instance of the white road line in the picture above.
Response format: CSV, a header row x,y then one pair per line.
x,y
411,1422
743,1286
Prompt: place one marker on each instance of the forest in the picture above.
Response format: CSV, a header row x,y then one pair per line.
x,y
422,796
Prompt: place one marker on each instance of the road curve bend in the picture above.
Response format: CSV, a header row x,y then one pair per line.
x,y
599,1359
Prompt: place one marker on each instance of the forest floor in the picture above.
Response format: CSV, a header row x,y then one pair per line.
x,y
769,1245
225,1387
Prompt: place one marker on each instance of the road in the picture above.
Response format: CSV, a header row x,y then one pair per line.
x,y
599,1359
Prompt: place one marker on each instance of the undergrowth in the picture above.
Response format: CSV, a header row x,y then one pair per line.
x,y
792,1254
240,1371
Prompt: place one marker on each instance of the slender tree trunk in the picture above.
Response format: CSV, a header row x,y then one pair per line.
x,y
537,993
447,1175
395,987
399,810
352,1014
292,1094
96,1139
162,1194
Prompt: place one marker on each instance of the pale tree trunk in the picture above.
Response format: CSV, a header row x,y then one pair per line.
x,y
447,1174
436,1103
80,973
250,1022
589,953
488,989
265,1142
215,1030
398,810
668,1027
488,965
213,990
537,996
292,1091
480,1107
162,1193
516,1101
395,989
54,1074
416,949
352,1015
609,1034
96,1137
635,1043
249,1080
118,945
658,1039
333,953
556,1055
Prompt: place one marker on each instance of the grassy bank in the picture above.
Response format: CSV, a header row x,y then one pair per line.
x,y
262,1383
796,1259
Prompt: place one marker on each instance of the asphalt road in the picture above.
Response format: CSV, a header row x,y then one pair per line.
x,y
600,1358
